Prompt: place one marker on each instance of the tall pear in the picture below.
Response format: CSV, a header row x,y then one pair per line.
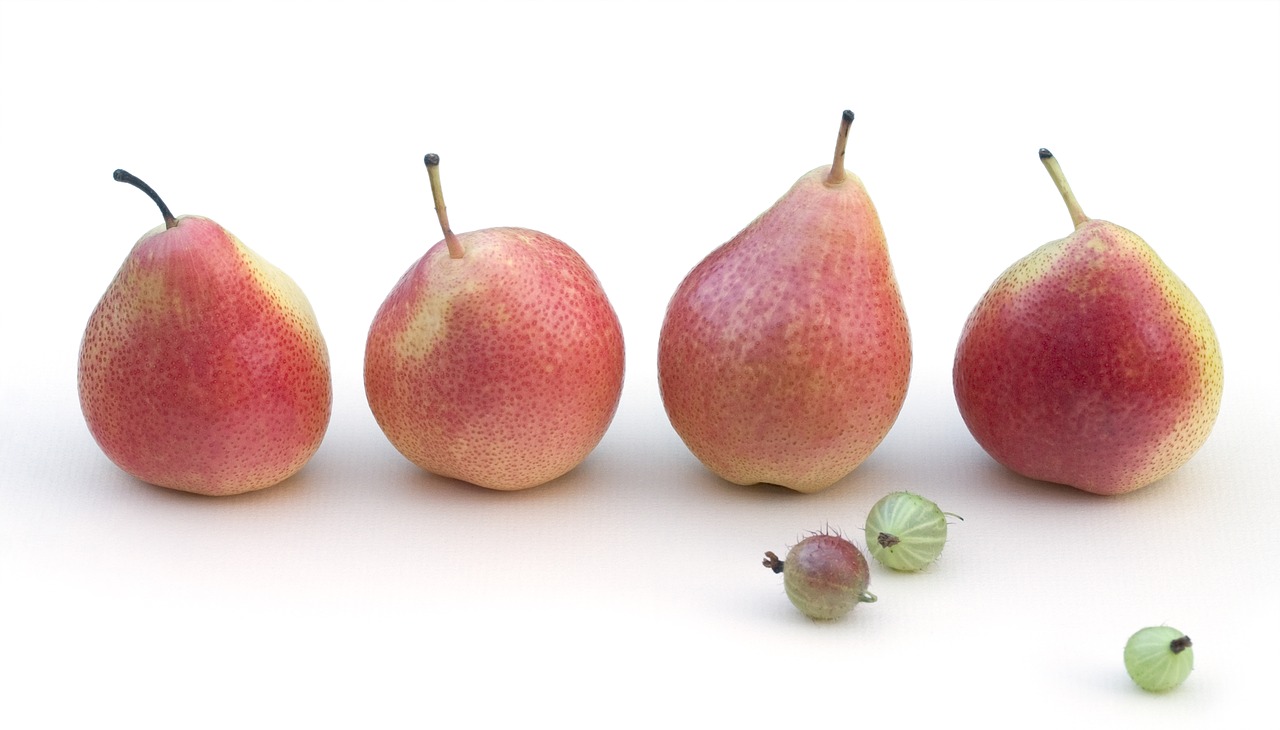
x,y
202,368
785,355
1088,362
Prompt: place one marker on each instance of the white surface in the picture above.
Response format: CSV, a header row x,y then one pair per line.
x,y
366,593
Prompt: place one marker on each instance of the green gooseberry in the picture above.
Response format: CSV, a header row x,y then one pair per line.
x,y
824,575
1158,658
906,531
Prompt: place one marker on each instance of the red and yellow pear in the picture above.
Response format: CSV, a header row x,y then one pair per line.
x,y
785,354
496,359
1089,362
202,368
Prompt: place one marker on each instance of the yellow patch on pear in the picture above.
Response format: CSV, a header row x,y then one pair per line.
x,y
281,288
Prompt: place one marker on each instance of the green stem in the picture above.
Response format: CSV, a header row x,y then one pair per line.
x,y
836,175
450,240
1055,172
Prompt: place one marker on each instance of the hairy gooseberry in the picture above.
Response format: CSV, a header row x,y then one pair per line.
x,y
906,531
1158,658
824,575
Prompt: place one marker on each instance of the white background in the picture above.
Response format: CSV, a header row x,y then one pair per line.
x,y
366,593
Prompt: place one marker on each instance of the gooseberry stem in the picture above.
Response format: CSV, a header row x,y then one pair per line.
x,y
836,175
1055,171
450,240
1178,645
772,562
887,541
126,177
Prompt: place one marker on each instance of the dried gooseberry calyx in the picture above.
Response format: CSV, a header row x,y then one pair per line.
x,y
906,531
1158,658
824,575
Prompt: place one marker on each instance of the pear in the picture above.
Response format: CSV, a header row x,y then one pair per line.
x,y
785,355
1089,363
496,359
202,368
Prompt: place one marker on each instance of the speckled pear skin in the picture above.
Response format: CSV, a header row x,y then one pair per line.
x,y
202,368
1089,363
785,355
502,368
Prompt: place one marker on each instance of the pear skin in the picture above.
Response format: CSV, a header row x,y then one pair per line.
x,y
202,368
1089,362
785,355
496,359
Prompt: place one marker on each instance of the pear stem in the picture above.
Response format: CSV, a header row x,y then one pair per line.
x,y
836,175
450,240
125,177
1055,172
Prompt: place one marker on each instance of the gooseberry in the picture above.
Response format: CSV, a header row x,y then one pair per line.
x,y
906,531
824,575
1158,658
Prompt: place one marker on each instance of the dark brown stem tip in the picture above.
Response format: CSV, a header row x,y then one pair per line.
x,y
432,159
772,562
886,540
848,115
1045,154
1177,645
127,177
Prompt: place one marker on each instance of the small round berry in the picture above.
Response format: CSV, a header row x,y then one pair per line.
x,y
906,531
824,575
1158,658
